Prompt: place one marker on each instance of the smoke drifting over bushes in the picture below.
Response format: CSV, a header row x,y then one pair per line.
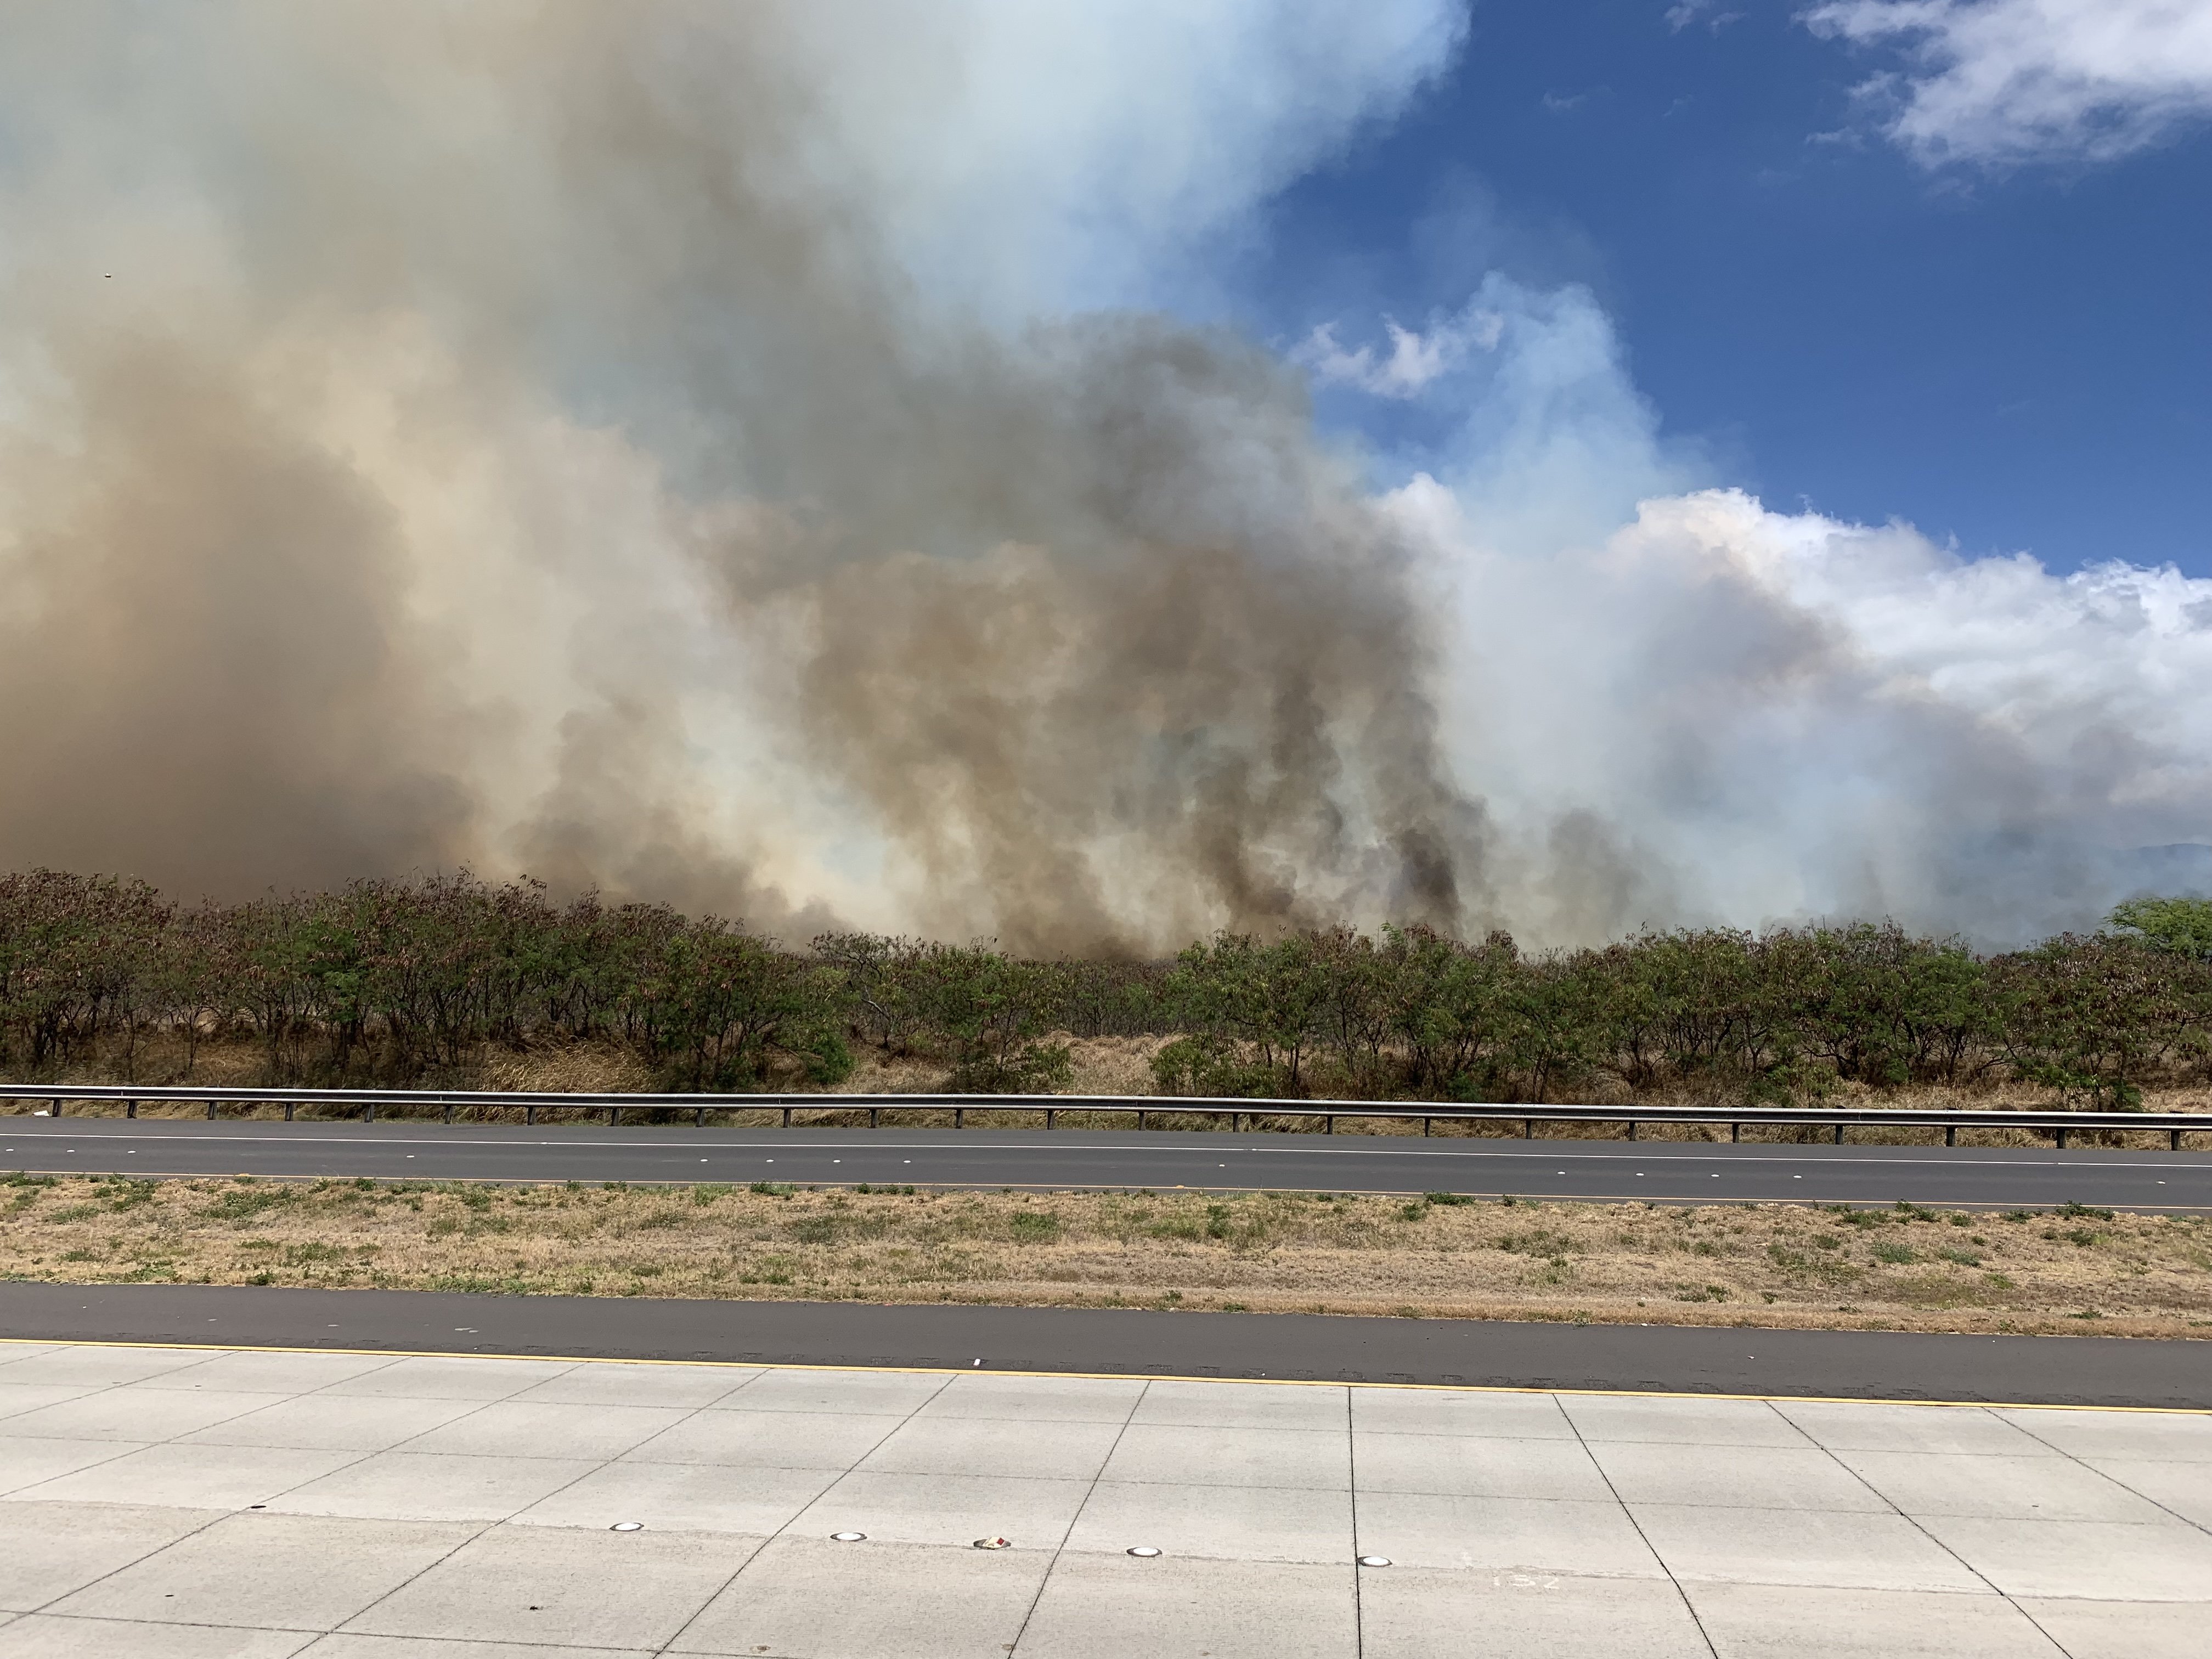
x,y
534,434
736,456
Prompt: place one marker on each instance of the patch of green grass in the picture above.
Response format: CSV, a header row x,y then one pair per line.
x,y
242,1204
1894,1253
1033,1226
774,1188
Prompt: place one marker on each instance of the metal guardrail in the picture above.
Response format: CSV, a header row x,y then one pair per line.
x,y
2059,1124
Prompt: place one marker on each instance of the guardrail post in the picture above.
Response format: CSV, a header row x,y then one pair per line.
x,y
875,1117
1425,1128
1631,1128
1050,1114
369,1116
1141,1117
288,1111
449,1111
1735,1132
2176,1133
960,1117
1950,1134
530,1115
2061,1133
130,1108
1528,1128
699,1118
56,1108
1329,1123
210,1111
1839,1134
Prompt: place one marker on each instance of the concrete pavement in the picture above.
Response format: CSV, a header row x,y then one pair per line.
x,y
173,1501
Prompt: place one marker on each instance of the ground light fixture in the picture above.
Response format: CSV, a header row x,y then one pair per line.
x,y
847,1537
1374,1560
627,1525
1145,1551
994,1542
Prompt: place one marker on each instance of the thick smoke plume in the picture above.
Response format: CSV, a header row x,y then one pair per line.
x,y
561,436
740,455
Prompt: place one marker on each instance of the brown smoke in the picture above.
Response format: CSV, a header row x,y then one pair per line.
x,y
511,437
205,676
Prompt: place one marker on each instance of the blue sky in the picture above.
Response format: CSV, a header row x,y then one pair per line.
x,y
2013,353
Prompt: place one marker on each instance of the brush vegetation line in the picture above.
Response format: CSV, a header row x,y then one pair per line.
x,y
2073,1270
433,980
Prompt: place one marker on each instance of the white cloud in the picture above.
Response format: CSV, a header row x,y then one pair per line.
x,y
1679,705
1997,82
1680,16
1415,358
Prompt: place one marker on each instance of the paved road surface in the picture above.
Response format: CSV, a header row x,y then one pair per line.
x,y
1855,1364
1664,1171
190,1504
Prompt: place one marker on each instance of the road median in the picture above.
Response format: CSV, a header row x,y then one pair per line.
x,y
2075,1269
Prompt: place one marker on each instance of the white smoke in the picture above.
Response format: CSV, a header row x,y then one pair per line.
x,y
1687,707
2013,80
1416,357
720,453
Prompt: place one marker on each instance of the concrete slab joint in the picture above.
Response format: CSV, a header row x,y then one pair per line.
x,y
165,1501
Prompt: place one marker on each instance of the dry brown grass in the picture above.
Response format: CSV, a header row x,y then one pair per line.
x,y
1766,1265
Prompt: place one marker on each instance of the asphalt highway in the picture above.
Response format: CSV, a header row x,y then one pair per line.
x,y
1284,1347
1595,1171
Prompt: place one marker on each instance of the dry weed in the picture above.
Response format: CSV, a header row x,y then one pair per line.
x,y
2073,1270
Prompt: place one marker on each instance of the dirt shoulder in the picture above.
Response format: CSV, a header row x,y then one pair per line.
x,y
2045,1271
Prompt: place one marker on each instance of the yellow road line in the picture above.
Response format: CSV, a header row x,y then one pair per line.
x,y
1111,1377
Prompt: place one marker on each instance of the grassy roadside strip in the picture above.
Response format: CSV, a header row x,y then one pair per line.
x,y
2074,1270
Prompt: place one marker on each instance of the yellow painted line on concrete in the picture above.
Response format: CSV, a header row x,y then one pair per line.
x,y
1110,1376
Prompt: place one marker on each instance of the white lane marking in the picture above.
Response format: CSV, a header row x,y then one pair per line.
x,y
1689,1153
